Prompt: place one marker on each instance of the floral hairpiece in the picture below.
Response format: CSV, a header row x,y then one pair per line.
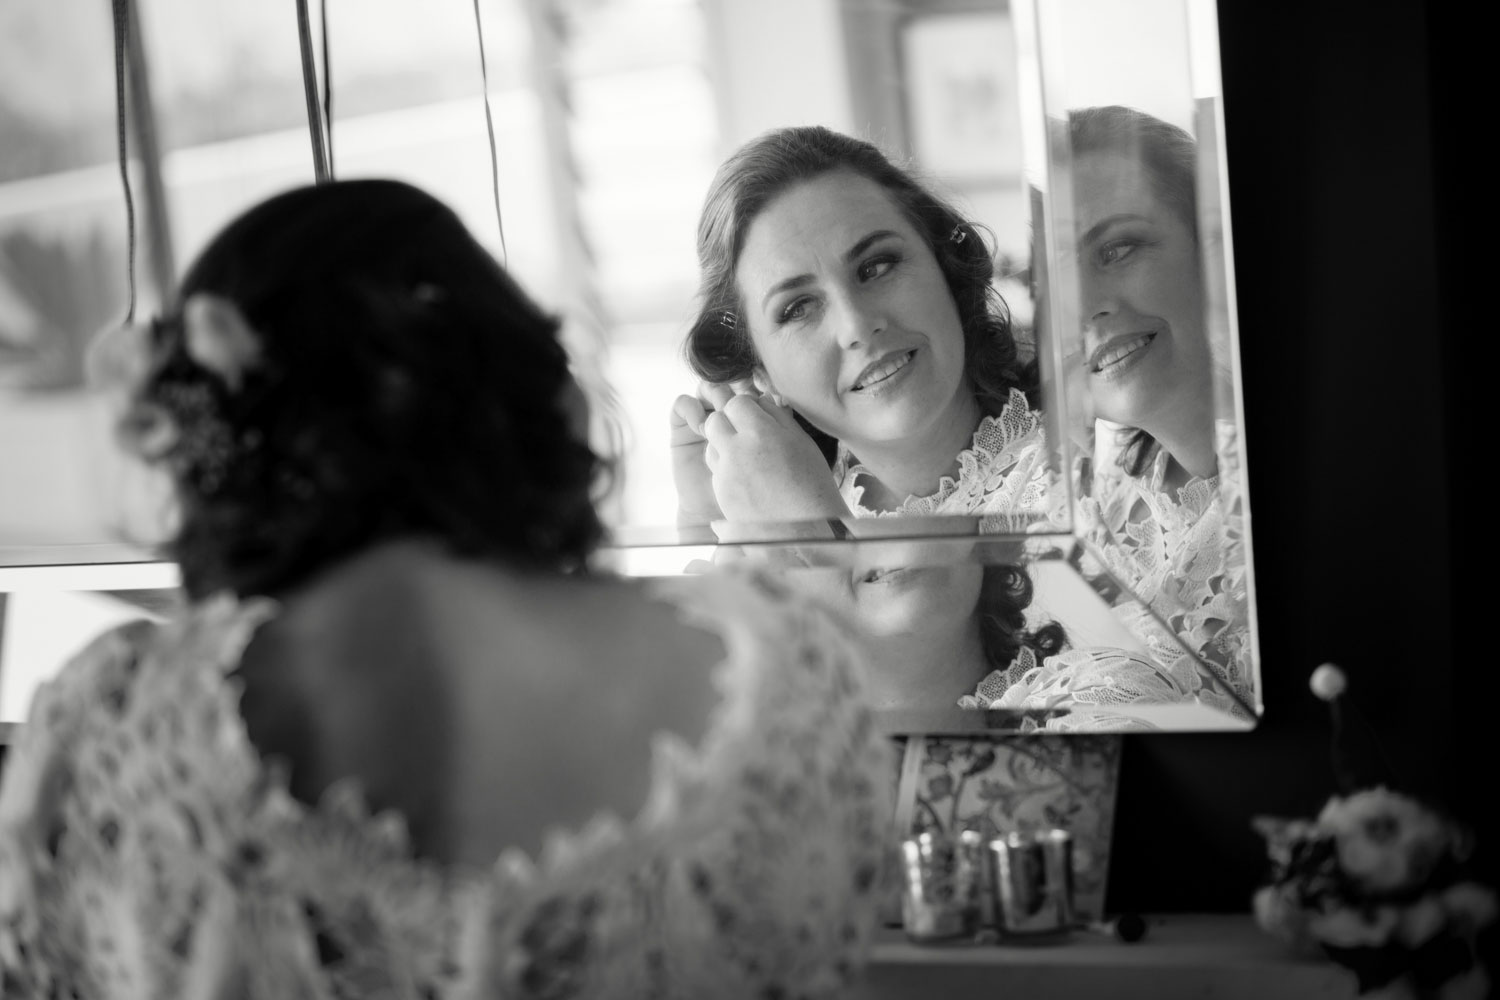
x,y
218,338
182,420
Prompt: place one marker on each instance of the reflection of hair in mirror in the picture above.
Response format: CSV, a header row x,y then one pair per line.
x,y
351,428
1004,597
718,345
1169,156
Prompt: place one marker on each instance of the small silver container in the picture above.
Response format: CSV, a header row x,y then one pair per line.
x,y
942,886
1032,882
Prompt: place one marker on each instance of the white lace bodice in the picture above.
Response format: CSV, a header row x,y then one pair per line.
x,y
1097,677
147,851
1003,476
1182,554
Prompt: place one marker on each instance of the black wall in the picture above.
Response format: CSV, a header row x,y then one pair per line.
x,y
1350,148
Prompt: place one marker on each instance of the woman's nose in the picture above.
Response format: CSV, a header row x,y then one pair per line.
x,y
860,319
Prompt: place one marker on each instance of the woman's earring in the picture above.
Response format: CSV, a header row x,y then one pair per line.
x,y
958,235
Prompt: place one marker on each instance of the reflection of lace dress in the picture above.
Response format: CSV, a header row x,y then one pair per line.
x,y
146,850
1003,477
1099,678
1183,556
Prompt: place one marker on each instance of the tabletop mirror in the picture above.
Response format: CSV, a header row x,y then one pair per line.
x,y
610,118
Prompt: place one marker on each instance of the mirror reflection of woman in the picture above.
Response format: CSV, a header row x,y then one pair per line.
x,y
940,626
1158,494
848,321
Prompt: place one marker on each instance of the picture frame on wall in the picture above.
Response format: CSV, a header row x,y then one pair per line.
x,y
962,107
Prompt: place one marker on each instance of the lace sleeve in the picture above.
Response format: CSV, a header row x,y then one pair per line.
x,y
762,876
1090,676
38,778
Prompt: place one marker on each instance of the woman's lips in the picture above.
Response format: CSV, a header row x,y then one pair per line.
x,y
887,576
883,370
1117,354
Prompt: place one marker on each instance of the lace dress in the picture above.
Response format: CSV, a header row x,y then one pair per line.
x,y
147,851
1182,555
1102,679
1003,477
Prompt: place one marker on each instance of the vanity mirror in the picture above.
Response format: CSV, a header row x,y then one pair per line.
x,y
610,119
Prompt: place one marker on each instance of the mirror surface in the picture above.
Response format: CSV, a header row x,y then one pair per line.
x,y
611,117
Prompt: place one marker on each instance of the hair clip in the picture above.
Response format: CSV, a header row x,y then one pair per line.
x,y
727,318
959,234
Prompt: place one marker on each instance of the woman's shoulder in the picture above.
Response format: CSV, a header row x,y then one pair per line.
x,y
102,677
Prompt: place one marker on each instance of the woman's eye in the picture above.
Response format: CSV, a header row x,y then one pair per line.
x,y
1113,253
794,310
875,267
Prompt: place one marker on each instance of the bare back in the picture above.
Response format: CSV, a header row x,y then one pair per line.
x,y
486,705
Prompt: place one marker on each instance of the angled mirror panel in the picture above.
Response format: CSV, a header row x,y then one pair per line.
x,y
1126,153
985,634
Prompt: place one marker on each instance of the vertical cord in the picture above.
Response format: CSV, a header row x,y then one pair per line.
x,y
489,122
310,90
122,31
327,84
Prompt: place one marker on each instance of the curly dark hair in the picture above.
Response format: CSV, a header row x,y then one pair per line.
x,y
1004,595
1170,157
407,386
718,345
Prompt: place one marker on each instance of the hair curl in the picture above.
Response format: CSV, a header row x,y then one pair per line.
x,y
718,345
1170,158
407,386
1004,595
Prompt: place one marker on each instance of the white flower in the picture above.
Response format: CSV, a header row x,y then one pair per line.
x,y
1351,928
1421,921
1386,842
219,338
1471,905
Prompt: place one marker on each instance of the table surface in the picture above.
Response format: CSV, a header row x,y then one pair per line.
x,y
1181,955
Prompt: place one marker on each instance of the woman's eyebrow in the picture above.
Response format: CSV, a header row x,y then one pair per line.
x,y
850,255
1103,224
866,242
783,285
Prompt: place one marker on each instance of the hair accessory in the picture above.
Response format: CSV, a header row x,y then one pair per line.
x,y
728,318
958,235
219,339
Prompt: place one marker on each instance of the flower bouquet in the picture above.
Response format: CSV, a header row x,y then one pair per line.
x,y
1377,884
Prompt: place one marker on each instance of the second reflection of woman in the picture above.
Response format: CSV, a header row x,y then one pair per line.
x,y
940,629
1156,500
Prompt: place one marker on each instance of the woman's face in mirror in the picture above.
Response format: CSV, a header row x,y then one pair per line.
x,y
916,599
1144,344
850,315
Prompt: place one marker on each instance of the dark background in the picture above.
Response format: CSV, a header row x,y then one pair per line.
x,y
1353,150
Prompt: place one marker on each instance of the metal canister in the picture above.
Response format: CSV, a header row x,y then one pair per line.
x,y
1032,882
942,885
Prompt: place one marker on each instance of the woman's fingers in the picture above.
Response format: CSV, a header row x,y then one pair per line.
x,y
717,425
686,420
715,394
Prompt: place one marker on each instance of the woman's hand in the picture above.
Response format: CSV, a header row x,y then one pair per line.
x,y
690,473
764,466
